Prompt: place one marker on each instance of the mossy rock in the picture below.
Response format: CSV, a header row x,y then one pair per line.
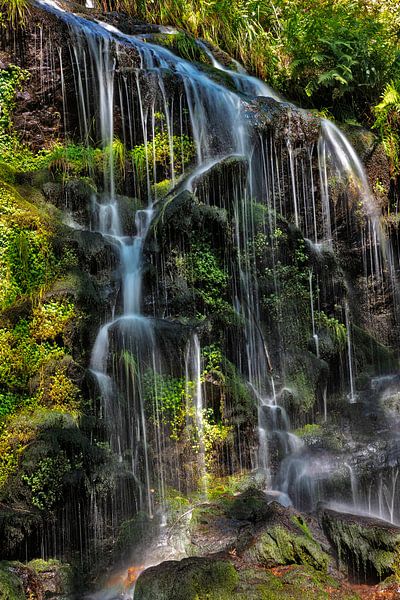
x,y
256,584
369,549
251,505
133,534
216,186
372,356
10,585
55,577
189,579
287,538
279,546
212,530
295,583
305,377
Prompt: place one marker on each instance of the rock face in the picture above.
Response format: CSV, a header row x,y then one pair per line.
x,y
189,579
368,548
246,545
260,305
39,580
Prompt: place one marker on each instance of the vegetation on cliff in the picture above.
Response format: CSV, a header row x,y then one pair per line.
x,y
204,278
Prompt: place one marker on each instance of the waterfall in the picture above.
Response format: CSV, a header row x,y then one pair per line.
x,y
194,395
352,396
131,83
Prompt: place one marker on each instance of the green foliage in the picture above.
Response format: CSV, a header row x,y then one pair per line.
x,y
10,586
15,12
314,52
201,268
161,189
72,159
387,123
8,403
26,351
213,359
167,154
11,81
51,319
167,400
288,299
184,45
26,258
336,329
215,434
63,394
17,432
46,483
337,51
170,403
309,430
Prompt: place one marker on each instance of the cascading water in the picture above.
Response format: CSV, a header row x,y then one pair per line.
x,y
281,177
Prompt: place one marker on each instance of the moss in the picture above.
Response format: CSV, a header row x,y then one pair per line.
x,y
304,376
182,44
309,430
10,586
295,582
255,584
58,574
371,356
189,579
133,534
368,548
280,546
251,505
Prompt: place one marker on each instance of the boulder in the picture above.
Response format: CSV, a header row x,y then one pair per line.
x,y
368,548
188,579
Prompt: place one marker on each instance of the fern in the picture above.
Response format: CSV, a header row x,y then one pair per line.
x,y
387,122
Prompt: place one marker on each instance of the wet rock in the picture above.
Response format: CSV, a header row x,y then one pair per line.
x,y
368,548
287,538
181,214
217,184
77,198
31,583
54,576
287,122
211,530
252,505
134,535
94,251
189,579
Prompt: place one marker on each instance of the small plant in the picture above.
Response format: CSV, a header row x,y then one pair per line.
x,y
46,483
387,123
168,401
51,319
167,154
336,329
215,434
16,11
201,268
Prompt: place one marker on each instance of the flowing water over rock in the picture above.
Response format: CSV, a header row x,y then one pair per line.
x,y
291,188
